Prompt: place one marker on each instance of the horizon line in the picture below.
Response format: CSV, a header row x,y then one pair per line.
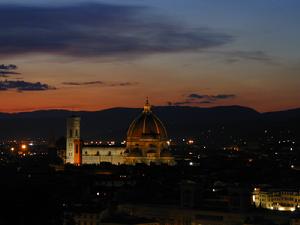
x,y
124,107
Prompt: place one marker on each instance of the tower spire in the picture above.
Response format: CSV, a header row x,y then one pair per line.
x,y
147,107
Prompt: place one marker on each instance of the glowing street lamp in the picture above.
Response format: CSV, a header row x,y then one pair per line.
x,y
190,142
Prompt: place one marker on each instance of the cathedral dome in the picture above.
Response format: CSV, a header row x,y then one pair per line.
x,y
146,126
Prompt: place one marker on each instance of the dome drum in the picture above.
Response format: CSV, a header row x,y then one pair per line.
x,y
148,134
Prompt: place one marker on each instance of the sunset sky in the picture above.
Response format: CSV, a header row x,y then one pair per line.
x,y
90,55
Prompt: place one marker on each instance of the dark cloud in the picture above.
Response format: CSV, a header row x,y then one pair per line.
x,y
179,103
259,56
123,84
82,83
98,30
101,83
204,102
199,99
8,67
210,97
222,96
197,96
21,85
187,102
6,70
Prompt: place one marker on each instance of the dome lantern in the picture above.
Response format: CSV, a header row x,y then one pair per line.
x,y
147,106
147,126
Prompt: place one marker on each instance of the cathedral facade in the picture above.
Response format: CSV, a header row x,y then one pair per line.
x,y
146,142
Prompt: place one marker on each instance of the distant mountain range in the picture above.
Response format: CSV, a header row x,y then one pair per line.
x,y
180,121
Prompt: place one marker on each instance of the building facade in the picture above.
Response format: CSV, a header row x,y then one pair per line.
x,y
97,154
147,142
276,199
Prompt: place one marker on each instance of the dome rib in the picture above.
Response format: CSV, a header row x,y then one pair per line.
x,y
147,126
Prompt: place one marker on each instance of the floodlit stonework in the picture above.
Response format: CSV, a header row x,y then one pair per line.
x,y
147,142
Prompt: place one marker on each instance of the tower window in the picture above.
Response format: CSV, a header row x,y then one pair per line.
x,y
70,133
76,133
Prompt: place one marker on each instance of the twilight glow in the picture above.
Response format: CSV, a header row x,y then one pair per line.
x,y
84,55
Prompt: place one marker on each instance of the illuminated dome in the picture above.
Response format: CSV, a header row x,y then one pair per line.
x,y
147,140
146,126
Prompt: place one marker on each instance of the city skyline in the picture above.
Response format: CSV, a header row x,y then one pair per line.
x,y
83,55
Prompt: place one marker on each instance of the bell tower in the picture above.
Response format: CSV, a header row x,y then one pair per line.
x,y
73,148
